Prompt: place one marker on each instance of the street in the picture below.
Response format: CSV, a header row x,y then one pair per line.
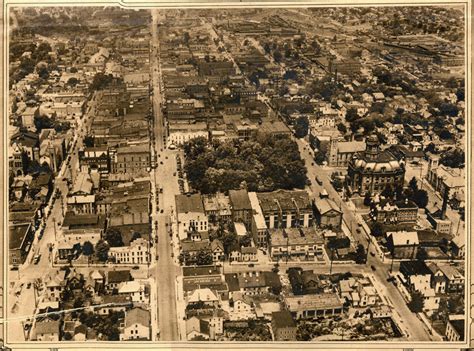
x,y
166,268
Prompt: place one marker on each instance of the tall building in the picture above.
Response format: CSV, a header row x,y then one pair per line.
x,y
373,170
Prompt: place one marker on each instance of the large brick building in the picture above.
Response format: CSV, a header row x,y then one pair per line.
x,y
373,170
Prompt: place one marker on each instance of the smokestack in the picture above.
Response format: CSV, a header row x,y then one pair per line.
x,y
445,203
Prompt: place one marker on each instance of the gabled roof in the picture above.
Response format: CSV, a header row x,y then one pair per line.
x,y
283,319
47,327
240,199
118,276
137,315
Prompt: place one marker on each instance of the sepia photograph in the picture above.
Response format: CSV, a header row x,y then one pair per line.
x,y
249,174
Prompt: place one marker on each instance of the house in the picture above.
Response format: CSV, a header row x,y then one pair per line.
x,y
252,283
137,325
403,244
438,280
217,249
54,285
358,292
455,280
327,213
190,215
459,246
80,333
113,303
283,326
116,278
136,253
241,206
46,330
249,254
380,312
242,303
455,330
311,306
204,297
197,329
235,253
138,291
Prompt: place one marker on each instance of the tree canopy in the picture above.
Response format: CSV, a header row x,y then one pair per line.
x,y
264,163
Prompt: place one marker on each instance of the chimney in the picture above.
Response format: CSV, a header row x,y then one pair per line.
x,y
445,203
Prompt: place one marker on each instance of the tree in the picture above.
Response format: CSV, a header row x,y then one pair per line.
x,y
445,134
351,114
102,250
367,199
136,235
420,197
416,303
301,127
453,158
277,56
114,237
377,229
342,128
245,241
413,184
87,248
72,81
204,258
67,336
89,141
73,70
360,255
387,192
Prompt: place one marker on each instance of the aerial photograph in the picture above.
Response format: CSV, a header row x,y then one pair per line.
x,y
234,175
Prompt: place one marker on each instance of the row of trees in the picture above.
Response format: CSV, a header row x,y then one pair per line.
x,y
264,163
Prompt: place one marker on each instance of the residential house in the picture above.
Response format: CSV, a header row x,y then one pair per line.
x,y
283,326
117,278
197,329
248,254
46,330
358,292
455,280
242,303
138,291
235,253
137,325
54,284
217,249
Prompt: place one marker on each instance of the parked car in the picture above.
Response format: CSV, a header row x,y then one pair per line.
x,y
135,267
373,268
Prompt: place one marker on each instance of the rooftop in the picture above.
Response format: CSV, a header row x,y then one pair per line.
x,y
313,302
189,203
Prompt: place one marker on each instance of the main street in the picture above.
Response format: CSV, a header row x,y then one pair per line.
x,y
166,268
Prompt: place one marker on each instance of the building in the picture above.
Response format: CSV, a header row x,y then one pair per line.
x,y
340,152
138,252
197,329
403,244
258,227
131,159
286,208
180,133
455,330
190,215
94,159
372,171
283,326
137,325
46,330
138,291
295,243
19,242
217,250
241,206
395,213
445,179
313,306
327,213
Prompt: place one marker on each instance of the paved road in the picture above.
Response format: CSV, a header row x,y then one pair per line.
x,y
166,268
